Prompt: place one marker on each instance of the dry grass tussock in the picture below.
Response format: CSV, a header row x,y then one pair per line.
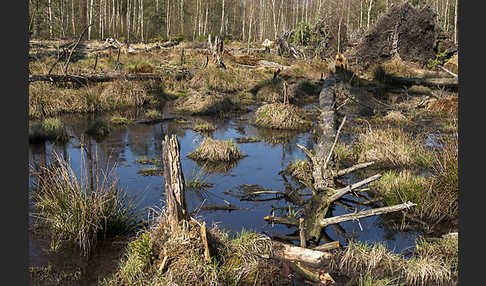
x,y
300,170
432,263
159,256
46,100
81,210
393,148
216,150
228,80
436,196
205,103
47,129
449,104
281,116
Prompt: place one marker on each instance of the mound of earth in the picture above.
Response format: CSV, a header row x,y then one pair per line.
x,y
412,33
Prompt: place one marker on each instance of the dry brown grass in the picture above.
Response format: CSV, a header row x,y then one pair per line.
x,y
432,263
205,102
216,150
449,104
393,148
166,257
281,116
47,100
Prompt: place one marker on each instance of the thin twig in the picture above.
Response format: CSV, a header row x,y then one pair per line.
x,y
74,47
334,144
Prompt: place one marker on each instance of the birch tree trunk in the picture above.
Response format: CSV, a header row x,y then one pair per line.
x,y
222,19
274,20
369,14
167,18
206,18
182,17
455,23
141,19
49,8
90,18
72,18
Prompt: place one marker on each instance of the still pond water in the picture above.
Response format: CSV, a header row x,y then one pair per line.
x,y
264,160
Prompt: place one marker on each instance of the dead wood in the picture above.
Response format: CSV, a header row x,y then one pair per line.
x,y
173,181
430,82
327,246
282,220
109,76
341,192
288,252
366,213
352,168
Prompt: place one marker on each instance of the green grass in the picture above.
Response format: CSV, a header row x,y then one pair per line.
x,y
204,127
432,263
148,161
152,171
153,114
119,120
98,129
51,129
82,210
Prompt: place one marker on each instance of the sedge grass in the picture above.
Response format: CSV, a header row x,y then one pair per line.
x,y
84,209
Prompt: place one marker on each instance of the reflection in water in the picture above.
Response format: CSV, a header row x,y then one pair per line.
x,y
262,165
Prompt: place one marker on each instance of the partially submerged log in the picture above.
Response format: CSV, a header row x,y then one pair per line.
x,y
173,181
430,82
366,213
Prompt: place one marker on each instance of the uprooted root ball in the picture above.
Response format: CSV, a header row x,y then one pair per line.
x,y
216,150
281,116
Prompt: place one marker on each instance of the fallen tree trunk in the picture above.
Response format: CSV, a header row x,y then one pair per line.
x,y
96,78
430,82
366,213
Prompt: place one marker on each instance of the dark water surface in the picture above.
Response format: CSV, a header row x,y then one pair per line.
x,y
264,161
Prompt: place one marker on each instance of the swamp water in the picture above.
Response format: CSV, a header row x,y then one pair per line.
x,y
261,166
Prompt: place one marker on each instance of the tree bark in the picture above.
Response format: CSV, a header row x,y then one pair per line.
x,y
173,181
362,214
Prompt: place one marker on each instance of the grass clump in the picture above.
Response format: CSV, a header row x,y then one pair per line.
x,y
148,161
432,263
281,116
393,148
205,103
51,129
153,114
247,140
300,170
216,150
235,260
98,129
143,67
152,171
48,100
436,196
117,119
204,127
81,210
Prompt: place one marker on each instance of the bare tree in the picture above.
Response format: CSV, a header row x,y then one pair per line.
x,y
222,19
369,14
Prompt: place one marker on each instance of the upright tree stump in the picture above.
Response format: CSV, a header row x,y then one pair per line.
x,y
173,181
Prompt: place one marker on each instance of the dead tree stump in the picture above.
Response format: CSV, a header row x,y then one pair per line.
x,y
173,181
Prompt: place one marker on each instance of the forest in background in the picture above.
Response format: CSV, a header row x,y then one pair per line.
x,y
192,20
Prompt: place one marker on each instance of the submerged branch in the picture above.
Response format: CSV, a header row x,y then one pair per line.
x,y
354,216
